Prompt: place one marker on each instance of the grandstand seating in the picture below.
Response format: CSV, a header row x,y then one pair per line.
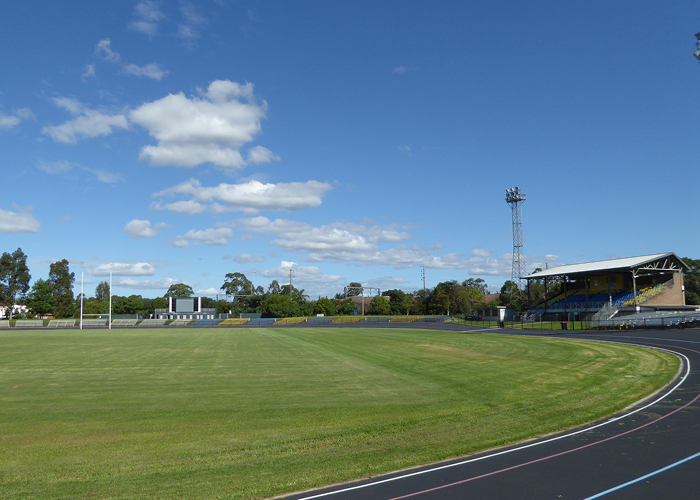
x,y
153,322
93,323
29,323
290,321
4,323
61,323
124,322
348,319
234,322
319,320
205,322
262,321
180,322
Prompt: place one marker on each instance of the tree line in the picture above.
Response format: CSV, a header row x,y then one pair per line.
x,y
54,296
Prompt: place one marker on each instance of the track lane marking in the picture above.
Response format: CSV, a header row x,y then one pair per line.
x,y
537,443
642,478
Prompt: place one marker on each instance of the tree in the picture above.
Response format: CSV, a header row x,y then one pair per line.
x,y
41,298
102,291
279,306
476,284
344,307
354,289
61,281
274,288
325,306
237,283
14,279
691,281
379,305
179,290
511,296
396,298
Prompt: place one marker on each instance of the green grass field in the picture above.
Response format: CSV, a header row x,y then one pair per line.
x,y
251,413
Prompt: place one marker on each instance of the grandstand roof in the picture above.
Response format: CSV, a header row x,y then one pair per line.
x,y
660,262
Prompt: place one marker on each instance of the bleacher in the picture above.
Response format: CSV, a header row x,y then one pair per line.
x,y
205,322
61,323
124,322
180,322
153,322
4,323
30,323
433,319
262,321
234,322
319,320
291,321
94,323
348,319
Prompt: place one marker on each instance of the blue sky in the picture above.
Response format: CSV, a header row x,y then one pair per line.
x,y
173,142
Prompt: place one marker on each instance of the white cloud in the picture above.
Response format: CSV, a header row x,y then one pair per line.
x,y
192,24
10,121
57,167
90,123
153,71
89,72
207,292
73,106
104,50
14,222
399,70
247,258
143,228
370,244
104,176
250,198
211,129
260,154
147,16
162,284
302,274
183,207
209,237
120,269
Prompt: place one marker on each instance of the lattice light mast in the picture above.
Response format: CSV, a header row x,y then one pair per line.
x,y
515,199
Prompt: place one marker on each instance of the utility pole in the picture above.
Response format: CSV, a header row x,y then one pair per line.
x,y
291,273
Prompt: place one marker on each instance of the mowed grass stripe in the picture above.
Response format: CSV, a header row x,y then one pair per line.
x,y
251,413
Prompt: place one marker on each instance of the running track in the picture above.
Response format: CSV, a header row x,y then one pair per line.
x,y
650,452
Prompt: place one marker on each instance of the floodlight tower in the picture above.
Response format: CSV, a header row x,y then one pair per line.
x,y
515,199
697,52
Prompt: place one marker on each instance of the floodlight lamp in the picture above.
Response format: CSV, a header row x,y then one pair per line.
x,y
697,35
697,53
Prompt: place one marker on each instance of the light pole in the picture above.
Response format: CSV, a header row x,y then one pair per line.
x,y
515,198
697,52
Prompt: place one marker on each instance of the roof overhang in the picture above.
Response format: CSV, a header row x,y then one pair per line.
x,y
656,263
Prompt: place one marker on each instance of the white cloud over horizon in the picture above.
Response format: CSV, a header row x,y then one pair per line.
x,y
18,222
250,198
208,237
207,129
143,229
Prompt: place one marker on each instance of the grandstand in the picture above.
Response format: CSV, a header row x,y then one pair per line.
x,y
605,289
